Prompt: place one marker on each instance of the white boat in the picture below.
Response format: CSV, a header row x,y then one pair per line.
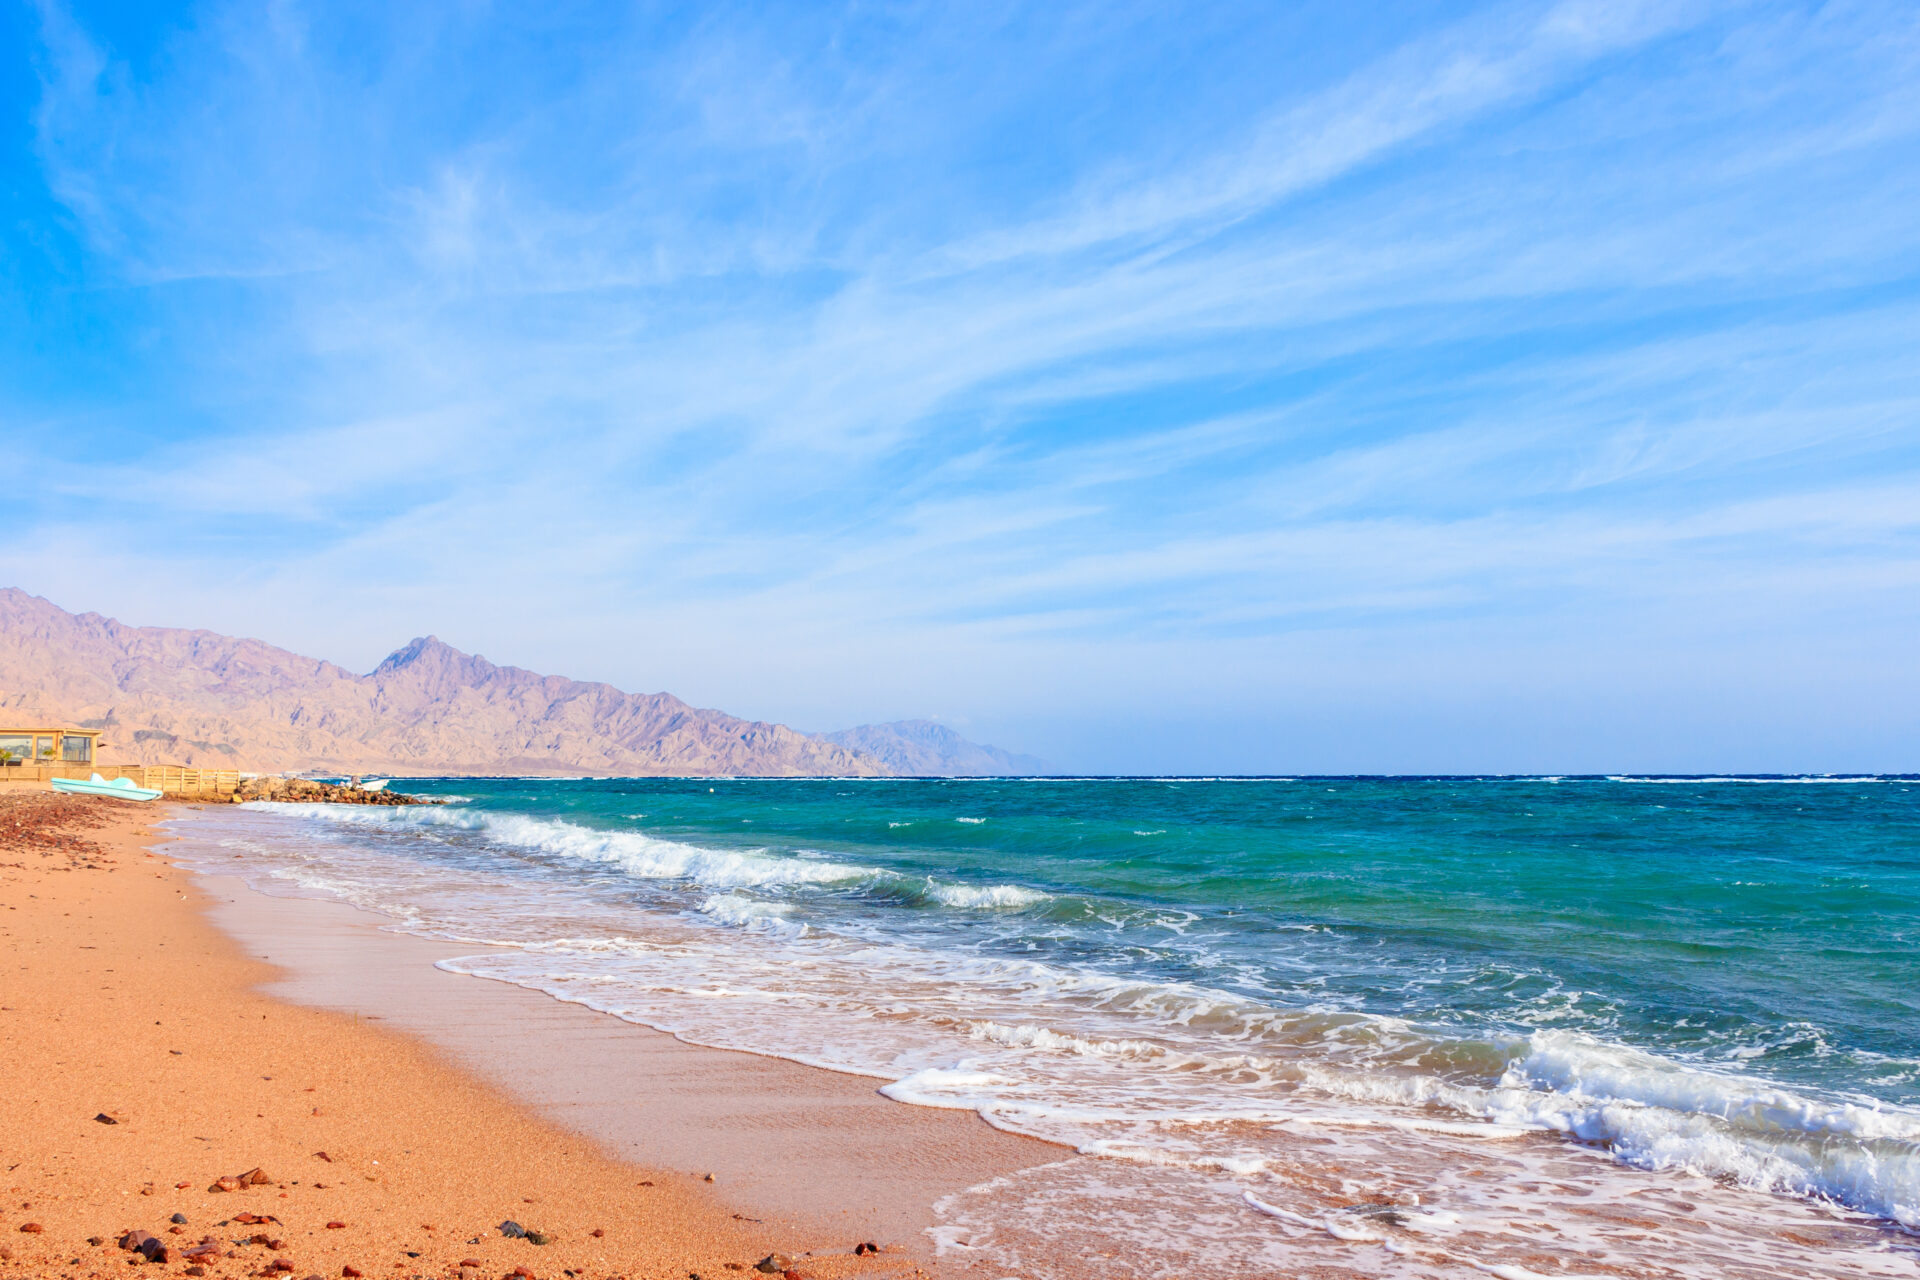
x,y
118,789
375,784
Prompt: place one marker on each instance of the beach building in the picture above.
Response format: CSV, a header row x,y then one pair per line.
x,y
47,752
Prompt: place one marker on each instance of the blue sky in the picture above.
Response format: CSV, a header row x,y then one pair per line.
x,y
1313,387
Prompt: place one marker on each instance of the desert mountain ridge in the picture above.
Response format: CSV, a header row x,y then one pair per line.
x,y
925,748
176,696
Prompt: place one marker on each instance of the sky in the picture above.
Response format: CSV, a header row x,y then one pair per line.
x,y
1158,387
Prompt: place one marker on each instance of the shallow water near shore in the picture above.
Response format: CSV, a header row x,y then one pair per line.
x,y
1376,1026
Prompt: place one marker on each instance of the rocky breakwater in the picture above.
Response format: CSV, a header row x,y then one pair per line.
x,y
307,791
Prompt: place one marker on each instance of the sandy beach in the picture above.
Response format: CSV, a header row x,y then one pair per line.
x,y
147,1054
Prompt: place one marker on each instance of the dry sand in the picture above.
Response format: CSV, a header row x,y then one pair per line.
x,y
121,999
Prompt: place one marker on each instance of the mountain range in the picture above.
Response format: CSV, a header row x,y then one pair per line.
x,y
923,748
167,695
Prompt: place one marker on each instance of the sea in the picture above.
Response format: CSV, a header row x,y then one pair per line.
x,y
1327,1026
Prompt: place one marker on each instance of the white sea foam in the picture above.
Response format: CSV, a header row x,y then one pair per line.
x,y
631,852
971,821
733,908
986,897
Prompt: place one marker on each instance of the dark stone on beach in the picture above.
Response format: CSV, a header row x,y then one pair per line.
x,y
104,1118
179,1218
96,1240
773,1264
195,1270
864,1248
148,1247
513,1230
469,1262
536,1237
597,1232
350,1272
32,1228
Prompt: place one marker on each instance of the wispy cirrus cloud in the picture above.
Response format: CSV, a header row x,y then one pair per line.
x,y
753,354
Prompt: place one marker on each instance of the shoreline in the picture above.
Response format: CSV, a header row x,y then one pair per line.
x,y
216,1028
786,1142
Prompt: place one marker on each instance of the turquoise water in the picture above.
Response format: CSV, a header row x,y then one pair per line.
x,y
1694,977
1774,924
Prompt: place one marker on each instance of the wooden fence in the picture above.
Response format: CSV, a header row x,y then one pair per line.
x,y
188,784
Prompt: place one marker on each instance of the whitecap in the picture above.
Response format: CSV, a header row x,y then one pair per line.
x,y
632,852
986,897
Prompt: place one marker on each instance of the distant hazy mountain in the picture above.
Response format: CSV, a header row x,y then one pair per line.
x,y
197,698
926,748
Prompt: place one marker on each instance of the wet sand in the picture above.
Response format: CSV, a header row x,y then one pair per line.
x,y
444,1105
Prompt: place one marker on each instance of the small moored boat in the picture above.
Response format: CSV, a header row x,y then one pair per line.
x,y
118,789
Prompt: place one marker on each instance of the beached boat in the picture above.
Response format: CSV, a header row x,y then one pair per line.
x,y
118,789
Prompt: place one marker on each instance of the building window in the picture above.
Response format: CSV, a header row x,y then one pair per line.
x,y
76,749
15,748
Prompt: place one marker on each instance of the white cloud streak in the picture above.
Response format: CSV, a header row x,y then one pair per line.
x,y
1392,355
